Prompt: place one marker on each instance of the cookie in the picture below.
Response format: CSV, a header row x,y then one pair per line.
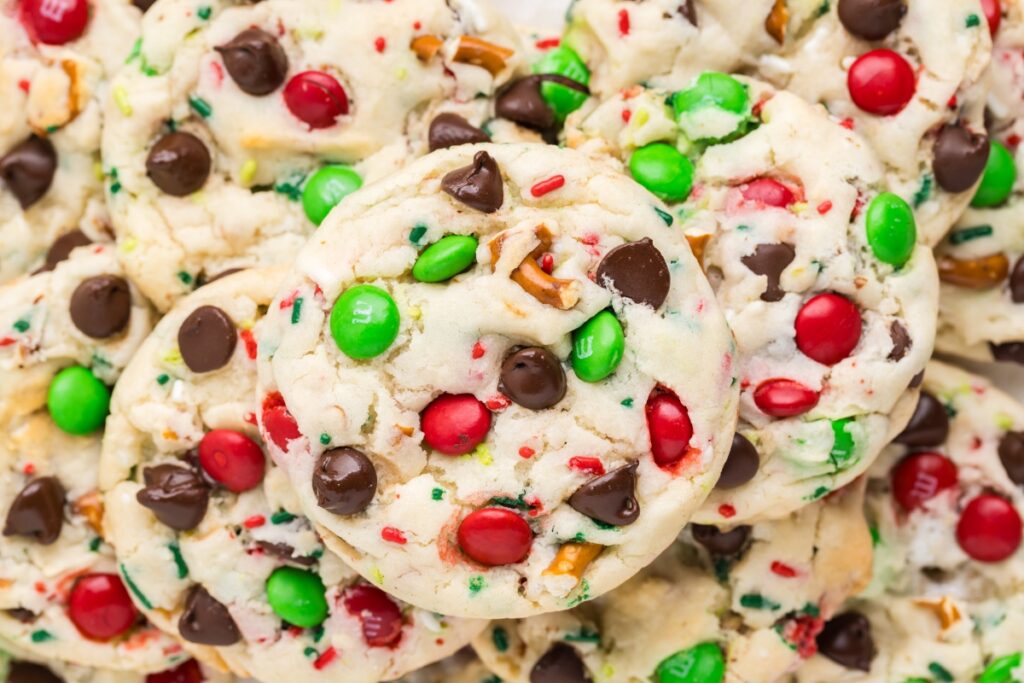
x,y
832,304
211,539
15,667
238,126
497,381
737,605
462,667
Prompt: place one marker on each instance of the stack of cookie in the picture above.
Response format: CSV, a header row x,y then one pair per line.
x,y
382,339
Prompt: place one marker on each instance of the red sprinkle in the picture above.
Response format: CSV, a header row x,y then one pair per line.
x,y
7,341
24,85
546,186
478,350
783,570
498,402
623,22
380,44
29,468
250,343
325,658
417,25
952,102
288,300
824,207
583,463
547,263
393,535
254,521
847,123
526,452
626,115
548,43
726,510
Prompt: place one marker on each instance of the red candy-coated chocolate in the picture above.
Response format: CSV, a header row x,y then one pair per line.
x,y
993,14
881,82
495,536
316,98
668,423
784,398
455,424
233,459
828,328
919,477
380,615
100,608
55,22
989,529
769,193
188,672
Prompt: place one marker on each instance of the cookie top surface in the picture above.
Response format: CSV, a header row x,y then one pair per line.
x,y
17,666
501,372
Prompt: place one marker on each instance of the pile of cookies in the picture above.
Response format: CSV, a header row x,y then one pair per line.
x,y
364,340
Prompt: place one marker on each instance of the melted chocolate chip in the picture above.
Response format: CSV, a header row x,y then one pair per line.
x,y
37,512
928,426
202,279
478,185
1008,352
25,616
1011,454
532,377
770,260
901,342
846,640
450,130
176,495
721,543
560,664
206,621
178,164
28,170
101,306
62,247
871,19
741,465
638,271
286,553
916,380
27,672
521,102
960,158
256,61
688,11
143,5
344,481
1017,282
207,339
609,498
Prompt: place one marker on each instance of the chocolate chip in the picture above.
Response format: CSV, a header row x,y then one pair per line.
x,y
478,185
28,169
178,164
688,11
1008,352
928,426
176,495
770,260
609,498
871,19
256,61
202,279
450,130
960,158
1011,454
344,481
206,621
637,271
27,672
901,342
846,640
143,5
532,377
721,543
560,664
741,465
101,306
521,102
286,553
207,339
62,247
37,512
25,616
917,380
1017,282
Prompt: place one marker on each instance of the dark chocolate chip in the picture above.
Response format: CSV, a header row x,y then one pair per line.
x,y
28,169
609,498
917,380
62,247
256,61
25,616
207,339
101,306
179,163
27,672
450,130
688,11
871,19
638,271
741,465
770,260
344,481
960,158
1011,454
206,621
928,426
143,5
478,186
846,640
202,279
560,664
37,512
532,377
1008,352
176,495
1017,282
521,102
901,341
286,553
721,543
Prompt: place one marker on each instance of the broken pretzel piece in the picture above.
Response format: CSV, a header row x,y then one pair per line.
x,y
983,272
549,290
775,23
573,559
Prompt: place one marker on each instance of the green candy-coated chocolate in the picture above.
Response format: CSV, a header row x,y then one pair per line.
x,y
712,89
891,230
364,321
842,443
597,347
1001,669
78,402
297,596
445,258
663,170
563,61
702,663
998,179
326,188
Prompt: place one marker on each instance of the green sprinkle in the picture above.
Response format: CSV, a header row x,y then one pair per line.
x,y
722,568
579,538
876,535
437,494
923,192
417,233
41,636
292,187
200,106
476,584
21,326
311,652
968,234
973,20
626,403
823,9
115,187
758,601
204,12
185,278
296,311
136,51
94,544
163,379
583,594
940,672
584,635
665,216
491,679
139,595
810,609
818,493
742,227
318,633
508,502
179,561
325,438
281,517
500,639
